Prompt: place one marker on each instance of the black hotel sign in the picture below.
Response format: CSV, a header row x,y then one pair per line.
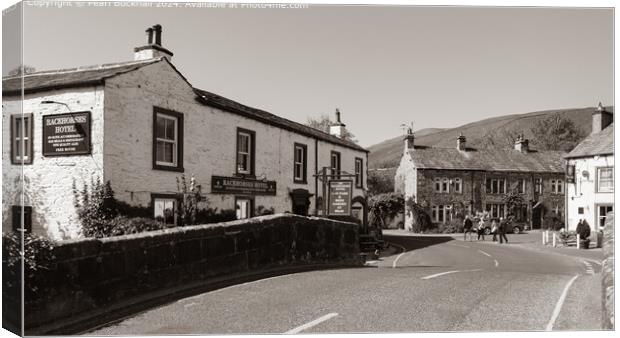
x,y
66,134
242,186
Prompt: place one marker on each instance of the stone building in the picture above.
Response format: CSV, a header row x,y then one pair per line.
x,y
590,174
446,181
140,125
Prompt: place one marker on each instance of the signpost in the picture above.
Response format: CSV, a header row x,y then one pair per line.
x,y
66,134
242,186
340,197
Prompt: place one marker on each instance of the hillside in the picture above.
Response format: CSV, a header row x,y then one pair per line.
x,y
495,132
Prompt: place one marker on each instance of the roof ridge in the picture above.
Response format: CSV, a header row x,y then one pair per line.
x,y
85,68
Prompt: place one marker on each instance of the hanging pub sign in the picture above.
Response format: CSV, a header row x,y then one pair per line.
x,y
242,186
339,197
570,173
66,134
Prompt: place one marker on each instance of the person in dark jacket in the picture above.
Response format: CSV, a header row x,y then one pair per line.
x,y
501,229
583,230
467,225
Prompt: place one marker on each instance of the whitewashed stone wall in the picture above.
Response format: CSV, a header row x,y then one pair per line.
x,y
48,180
209,142
405,181
583,192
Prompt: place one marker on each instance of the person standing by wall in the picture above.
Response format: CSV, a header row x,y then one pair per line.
x,y
583,230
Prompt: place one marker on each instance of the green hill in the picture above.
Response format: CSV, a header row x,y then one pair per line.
x,y
495,132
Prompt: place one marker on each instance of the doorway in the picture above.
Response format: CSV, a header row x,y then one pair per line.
x,y
537,216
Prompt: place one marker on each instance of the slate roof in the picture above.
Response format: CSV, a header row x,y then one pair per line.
x,y
601,143
488,160
221,102
94,75
67,78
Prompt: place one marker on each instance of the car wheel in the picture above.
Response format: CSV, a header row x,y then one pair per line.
x,y
516,230
487,231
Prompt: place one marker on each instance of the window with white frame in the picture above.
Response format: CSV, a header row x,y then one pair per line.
x,y
557,186
165,209
21,139
299,163
538,186
167,140
438,213
245,151
495,185
441,185
437,184
335,164
496,210
359,172
458,185
605,179
602,211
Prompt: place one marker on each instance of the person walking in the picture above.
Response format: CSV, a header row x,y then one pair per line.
x,y
502,230
481,229
467,225
494,230
583,230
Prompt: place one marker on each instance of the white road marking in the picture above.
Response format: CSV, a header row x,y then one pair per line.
x,y
448,272
558,306
248,283
460,246
496,262
588,267
404,251
312,323
484,253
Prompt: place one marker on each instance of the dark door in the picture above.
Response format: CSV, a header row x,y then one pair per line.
x,y
536,218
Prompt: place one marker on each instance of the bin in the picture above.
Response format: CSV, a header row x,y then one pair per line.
x,y
599,239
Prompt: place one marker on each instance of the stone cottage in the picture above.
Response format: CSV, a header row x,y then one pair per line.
x,y
141,124
446,181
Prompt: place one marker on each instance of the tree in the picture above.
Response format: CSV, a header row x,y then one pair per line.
x,y
379,183
190,194
324,122
557,133
384,206
19,70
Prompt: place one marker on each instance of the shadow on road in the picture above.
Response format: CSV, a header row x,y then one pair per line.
x,y
415,242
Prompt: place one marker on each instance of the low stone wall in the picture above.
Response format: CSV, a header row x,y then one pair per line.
x,y
91,277
608,274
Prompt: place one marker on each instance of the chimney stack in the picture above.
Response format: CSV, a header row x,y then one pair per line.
x,y
460,142
522,144
153,48
601,119
338,128
409,140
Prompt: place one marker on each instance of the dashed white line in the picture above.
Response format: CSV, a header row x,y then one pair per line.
x,y
448,272
558,306
312,323
484,253
496,262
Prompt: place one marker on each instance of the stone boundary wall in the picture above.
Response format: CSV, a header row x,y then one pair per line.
x,y
608,274
91,279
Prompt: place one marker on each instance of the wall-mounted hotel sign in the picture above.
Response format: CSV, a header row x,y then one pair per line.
x,y
340,197
570,173
66,134
242,186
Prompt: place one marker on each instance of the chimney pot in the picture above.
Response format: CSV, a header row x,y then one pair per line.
x,y
152,49
409,140
157,29
460,142
149,36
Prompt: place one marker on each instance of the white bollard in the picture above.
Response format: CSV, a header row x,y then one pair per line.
x,y
554,239
547,236
543,238
578,241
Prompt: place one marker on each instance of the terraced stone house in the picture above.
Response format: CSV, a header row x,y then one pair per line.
x,y
447,180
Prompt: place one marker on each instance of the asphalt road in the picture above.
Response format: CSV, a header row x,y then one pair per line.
x,y
427,283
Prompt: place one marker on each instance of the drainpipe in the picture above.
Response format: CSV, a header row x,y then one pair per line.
x,y
316,177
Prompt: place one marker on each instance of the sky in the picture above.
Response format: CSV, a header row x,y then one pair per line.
x,y
382,66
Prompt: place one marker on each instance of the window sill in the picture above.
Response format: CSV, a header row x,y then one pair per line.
x,y
168,168
300,182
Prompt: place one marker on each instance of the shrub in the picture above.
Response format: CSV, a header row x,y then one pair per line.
x,y
386,205
122,225
451,227
552,221
38,255
262,211
421,219
96,208
190,194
